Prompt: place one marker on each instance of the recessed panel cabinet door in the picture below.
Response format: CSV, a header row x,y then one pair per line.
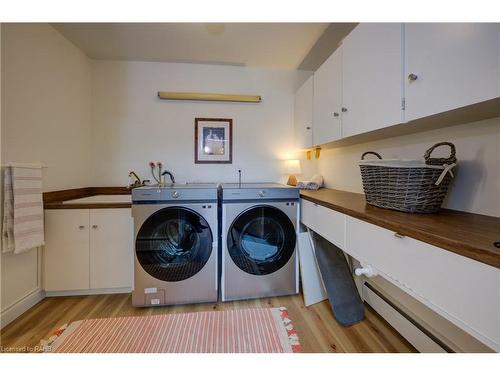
x,y
303,115
450,65
372,78
111,248
327,100
66,251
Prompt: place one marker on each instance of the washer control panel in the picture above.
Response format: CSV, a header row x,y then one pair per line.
x,y
192,193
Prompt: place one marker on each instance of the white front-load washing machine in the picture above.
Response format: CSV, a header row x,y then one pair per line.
x,y
259,237
176,232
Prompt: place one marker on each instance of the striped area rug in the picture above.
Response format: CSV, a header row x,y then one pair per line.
x,y
266,330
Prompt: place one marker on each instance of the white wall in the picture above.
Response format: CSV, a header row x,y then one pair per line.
x,y
131,126
46,114
476,187
45,117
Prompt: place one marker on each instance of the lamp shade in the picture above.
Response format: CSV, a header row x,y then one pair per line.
x,y
292,167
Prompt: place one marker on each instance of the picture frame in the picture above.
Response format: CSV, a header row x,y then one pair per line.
x,y
213,140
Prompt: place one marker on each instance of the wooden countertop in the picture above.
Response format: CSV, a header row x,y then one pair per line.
x,y
463,233
470,235
54,200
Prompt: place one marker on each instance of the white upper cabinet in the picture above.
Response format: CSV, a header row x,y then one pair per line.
x,y
386,74
303,115
372,78
450,65
327,100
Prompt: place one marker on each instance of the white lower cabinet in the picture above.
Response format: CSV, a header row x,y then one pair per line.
x,y
327,223
88,249
66,251
111,248
464,291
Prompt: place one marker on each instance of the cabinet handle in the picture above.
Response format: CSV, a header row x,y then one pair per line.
x,y
344,109
94,226
399,235
412,77
335,114
308,127
81,227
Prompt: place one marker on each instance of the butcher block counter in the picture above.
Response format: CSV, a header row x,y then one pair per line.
x,y
470,235
88,197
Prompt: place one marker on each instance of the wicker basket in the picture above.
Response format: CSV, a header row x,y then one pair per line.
x,y
408,185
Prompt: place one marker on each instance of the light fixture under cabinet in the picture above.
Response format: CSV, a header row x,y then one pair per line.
x,y
166,95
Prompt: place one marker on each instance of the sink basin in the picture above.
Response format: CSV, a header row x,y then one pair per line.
x,y
102,199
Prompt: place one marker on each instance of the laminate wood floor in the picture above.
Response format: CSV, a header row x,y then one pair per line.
x,y
317,329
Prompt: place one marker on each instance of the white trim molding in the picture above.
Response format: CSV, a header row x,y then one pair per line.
x,y
87,292
19,307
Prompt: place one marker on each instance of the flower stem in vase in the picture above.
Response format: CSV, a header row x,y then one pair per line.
x,y
160,165
152,165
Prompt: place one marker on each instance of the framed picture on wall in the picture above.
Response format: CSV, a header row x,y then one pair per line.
x,y
213,141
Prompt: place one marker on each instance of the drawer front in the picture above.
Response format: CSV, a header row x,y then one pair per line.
x,y
327,223
463,290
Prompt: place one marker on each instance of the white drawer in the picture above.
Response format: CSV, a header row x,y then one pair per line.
x,y
327,223
464,291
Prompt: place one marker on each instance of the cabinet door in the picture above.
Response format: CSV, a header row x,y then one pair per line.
x,y
66,251
303,115
462,290
327,100
372,78
454,65
111,248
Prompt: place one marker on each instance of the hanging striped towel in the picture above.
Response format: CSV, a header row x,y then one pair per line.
x,y
22,228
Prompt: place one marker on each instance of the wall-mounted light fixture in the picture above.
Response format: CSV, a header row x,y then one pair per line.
x,y
166,95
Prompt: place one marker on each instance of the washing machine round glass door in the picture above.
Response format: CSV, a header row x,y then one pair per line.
x,y
174,244
261,240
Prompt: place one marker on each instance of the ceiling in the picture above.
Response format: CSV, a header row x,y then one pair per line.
x,y
326,45
269,45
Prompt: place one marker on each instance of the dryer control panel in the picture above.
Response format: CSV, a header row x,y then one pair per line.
x,y
257,192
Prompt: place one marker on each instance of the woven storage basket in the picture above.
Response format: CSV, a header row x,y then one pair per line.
x,y
408,185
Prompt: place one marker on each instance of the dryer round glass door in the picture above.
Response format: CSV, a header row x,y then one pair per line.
x,y
174,244
261,240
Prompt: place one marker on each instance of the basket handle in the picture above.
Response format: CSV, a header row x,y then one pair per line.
x,y
370,153
440,161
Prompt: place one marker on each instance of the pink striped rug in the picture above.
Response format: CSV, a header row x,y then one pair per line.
x,y
266,330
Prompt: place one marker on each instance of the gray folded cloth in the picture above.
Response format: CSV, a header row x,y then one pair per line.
x,y
313,184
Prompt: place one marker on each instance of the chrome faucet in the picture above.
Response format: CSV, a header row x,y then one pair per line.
x,y
170,175
137,181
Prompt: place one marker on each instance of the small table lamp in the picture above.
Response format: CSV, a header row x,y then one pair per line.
x,y
292,167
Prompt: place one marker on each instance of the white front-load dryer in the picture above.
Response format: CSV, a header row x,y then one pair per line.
x,y
176,244
259,241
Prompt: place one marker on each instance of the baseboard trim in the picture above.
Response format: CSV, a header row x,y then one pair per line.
x,y
423,340
19,307
86,292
